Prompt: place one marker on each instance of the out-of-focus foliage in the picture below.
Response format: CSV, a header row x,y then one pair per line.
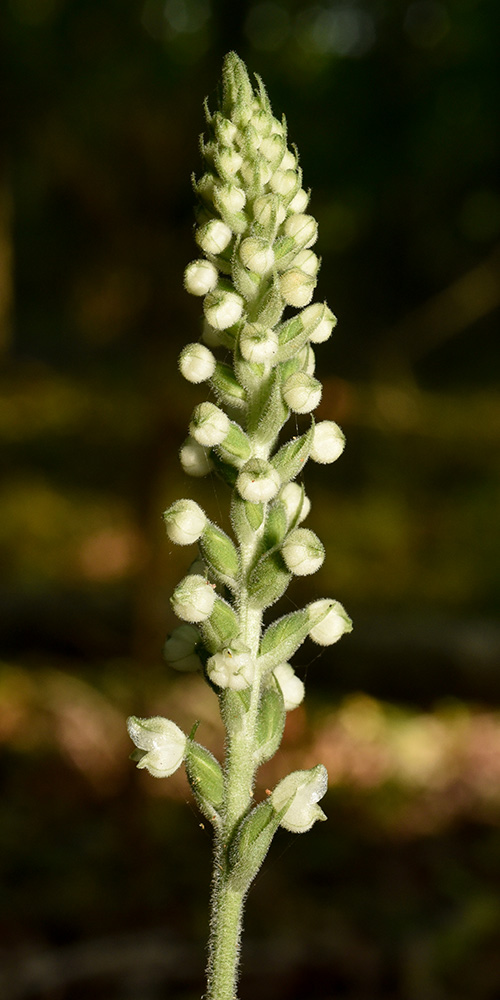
x,y
395,109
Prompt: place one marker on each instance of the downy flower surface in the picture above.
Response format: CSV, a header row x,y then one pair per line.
x,y
162,743
256,280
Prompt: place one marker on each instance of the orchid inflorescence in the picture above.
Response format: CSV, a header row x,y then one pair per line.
x,y
256,238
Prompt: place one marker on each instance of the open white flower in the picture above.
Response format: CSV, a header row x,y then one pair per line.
x,y
331,621
231,668
304,789
162,742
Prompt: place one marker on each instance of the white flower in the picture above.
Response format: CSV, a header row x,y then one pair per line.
x,y
195,459
258,481
301,392
232,668
297,504
289,161
209,425
307,262
283,182
322,321
200,277
297,287
179,649
304,789
258,343
266,207
332,624
328,442
258,173
256,255
196,362
230,198
184,522
299,201
223,308
193,599
272,148
303,552
291,686
229,161
303,229
214,237
163,743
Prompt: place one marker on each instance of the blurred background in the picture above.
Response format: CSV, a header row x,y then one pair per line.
x,y
104,871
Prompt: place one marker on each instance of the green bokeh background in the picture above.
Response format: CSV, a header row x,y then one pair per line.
x,y
105,873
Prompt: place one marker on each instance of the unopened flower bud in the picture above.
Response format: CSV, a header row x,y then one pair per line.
x,y
272,149
228,161
258,343
289,161
299,201
256,255
209,425
223,308
301,392
196,362
258,481
303,552
292,688
303,229
333,621
225,129
297,504
321,320
258,173
200,277
193,599
230,198
179,649
283,182
195,459
304,789
266,207
184,522
307,262
162,742
232,668
328,442
213,238
296,287
205,187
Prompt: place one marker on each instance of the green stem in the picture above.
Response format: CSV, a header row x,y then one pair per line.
x,y
227,902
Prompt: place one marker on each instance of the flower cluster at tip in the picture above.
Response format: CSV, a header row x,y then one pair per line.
x,y
255,238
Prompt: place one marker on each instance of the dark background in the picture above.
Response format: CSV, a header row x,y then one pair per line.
x,y
105,872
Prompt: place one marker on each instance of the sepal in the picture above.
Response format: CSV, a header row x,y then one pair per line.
x,y
206,779
282,639
220,554
226,387
268,580
251,843
292,457
221,628
270,723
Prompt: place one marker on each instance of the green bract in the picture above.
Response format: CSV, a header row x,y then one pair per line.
x,y
255,236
